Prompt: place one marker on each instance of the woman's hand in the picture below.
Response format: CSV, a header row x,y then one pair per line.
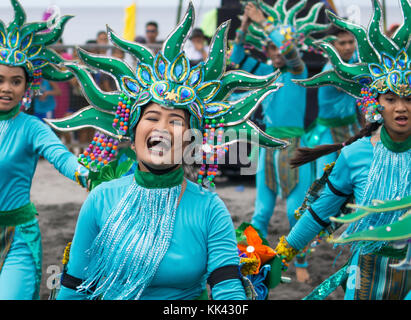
x,y
245,22
254,13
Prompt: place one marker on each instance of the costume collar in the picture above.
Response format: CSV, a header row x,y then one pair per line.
x,y
392,145
150,180
6,115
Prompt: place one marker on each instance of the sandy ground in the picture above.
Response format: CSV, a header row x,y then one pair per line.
x,y
58,201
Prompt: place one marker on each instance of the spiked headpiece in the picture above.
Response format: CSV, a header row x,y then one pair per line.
x,y
295,31
383,65
23,45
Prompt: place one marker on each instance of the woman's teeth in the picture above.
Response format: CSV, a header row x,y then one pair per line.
x,y
158,144
401,120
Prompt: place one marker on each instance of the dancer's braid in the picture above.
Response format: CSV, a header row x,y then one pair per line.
x,y
305,155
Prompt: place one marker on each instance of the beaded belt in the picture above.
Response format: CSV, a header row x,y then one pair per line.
x,y
18,216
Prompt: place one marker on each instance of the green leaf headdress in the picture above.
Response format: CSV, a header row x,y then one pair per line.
x,y
296,31
383,65
25,45
168,79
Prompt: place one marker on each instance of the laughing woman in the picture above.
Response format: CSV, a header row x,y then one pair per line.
x,y
372,165
154,234
23,139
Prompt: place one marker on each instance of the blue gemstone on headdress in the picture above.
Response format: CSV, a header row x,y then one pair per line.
x,y
394,78
4,53
213,109
19,57
161,88
401,63
195,77
388,62
178,70
162,67
185,93
377,70
146,76
131,85
365,81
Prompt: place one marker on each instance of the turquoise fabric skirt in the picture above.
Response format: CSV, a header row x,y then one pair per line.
x,y
20,275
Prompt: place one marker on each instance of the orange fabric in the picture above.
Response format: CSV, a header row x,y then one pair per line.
x,y
263,252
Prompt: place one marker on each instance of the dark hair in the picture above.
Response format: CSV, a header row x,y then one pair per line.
x,y
152,23
305,155
197,32
26,76
101,32
140,39
335,31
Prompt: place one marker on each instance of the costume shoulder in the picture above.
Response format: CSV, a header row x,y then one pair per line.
x,y
112,187
204,198
198,192
357,149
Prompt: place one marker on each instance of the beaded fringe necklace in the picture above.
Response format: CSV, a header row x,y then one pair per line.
x,y
389,178
127,252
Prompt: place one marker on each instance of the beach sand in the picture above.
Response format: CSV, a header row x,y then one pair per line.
x,y
58,201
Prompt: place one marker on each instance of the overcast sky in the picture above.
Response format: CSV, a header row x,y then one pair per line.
x,y
89,21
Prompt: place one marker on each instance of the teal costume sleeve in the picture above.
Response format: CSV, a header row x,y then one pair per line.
x,y
27,138
331,199
238,53
248,63
222,247
47,144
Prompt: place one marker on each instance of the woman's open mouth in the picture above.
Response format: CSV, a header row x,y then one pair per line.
x,y
6,99
401,120
158,144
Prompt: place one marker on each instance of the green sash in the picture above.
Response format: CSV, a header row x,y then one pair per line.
x,y
18,216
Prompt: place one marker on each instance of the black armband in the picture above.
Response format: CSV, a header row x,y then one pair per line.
x,y
73,283
69,281
335,191
224,273
318,219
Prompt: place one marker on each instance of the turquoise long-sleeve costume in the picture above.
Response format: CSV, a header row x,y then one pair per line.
x,y
336,121
366,276
283,116
23,139
203,240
